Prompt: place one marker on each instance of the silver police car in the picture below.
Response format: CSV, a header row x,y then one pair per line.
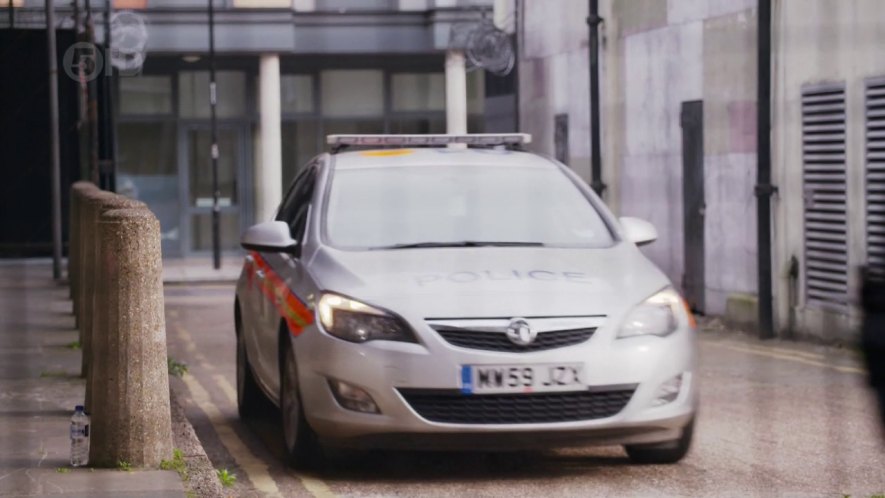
x,y
456,292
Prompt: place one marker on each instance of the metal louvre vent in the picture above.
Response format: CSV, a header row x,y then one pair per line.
x,y
875,179
824,181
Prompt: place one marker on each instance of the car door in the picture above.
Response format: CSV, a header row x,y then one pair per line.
x,y
279,271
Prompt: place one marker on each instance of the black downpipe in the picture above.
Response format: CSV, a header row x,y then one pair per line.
x,y
593,20
108,135
213,99
764,188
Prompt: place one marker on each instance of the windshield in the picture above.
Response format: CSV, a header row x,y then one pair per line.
x,y
469,205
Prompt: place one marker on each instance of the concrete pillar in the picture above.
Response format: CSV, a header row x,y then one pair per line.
x,y
93,359
269,173
131,414
456,93
90,208
78,190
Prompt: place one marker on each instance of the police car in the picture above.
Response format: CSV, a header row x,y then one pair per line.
x,y
457,292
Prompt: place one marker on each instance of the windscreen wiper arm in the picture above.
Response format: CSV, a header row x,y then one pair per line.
x,y
463,243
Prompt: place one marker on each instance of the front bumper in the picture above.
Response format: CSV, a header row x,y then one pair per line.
x,y
387,369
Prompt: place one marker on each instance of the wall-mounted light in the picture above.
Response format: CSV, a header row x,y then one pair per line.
x,y
190,58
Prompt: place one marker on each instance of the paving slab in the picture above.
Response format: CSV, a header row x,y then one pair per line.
x,y
39,387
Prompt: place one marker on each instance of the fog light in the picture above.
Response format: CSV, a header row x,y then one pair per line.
x,y
352,397
668,392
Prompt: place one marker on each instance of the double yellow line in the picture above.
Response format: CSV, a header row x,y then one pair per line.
x,y
256,470
804,357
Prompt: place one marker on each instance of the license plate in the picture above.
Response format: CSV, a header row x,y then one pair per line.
x,y
489,379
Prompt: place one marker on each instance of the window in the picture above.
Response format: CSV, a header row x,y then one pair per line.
x,y
296,207
300,145
146,95
148,171
418,92
352,93
296,93
386,206
357,4
193,94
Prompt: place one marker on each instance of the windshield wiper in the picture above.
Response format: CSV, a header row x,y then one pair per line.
x,y
462,243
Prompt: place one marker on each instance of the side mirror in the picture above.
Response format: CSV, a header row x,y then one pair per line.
x,y
270,236
638,231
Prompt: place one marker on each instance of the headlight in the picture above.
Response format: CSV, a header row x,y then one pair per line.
x,y
358,322
658,315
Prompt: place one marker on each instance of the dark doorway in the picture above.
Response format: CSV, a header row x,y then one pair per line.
x,y
25,189
693,203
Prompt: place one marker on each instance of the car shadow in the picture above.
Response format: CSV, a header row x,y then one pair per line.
x,y
415,466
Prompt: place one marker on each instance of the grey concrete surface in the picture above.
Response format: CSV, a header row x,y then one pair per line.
x,y
39,386
777,419
201,479
199,270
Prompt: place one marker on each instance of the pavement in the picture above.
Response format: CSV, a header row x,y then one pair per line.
x,y
199,270
777,419
39,387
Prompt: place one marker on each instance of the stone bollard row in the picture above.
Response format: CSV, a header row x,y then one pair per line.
x,y
78,191
129,382
93,205
90,205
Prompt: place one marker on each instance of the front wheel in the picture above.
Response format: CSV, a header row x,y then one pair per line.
x,y
662,453
302,446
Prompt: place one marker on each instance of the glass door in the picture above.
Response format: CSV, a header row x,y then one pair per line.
x,y
197,196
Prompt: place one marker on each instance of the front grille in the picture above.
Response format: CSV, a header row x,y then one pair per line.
x,y
456,408
498,341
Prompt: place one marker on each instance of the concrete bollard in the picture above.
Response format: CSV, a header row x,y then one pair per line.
x,y
92,306
90,208
130,413
78,191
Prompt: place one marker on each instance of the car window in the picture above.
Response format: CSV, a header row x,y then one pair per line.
x,y
302,195
288,204
388,206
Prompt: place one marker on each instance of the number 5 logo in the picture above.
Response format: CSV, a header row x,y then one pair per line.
x,y
86,55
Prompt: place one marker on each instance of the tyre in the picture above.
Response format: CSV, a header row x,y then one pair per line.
x,y
249,395
303,450
662,453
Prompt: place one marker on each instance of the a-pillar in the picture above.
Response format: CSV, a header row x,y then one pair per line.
x,y
456,93
269,170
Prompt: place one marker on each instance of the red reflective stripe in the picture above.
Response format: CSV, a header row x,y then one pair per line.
x,y
290,307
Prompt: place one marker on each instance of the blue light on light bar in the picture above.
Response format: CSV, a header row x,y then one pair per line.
x,y
488,139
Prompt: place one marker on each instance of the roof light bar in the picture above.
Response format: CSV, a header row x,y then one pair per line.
x,y
486,139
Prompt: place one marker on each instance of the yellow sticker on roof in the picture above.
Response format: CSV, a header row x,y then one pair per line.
x,y
386,152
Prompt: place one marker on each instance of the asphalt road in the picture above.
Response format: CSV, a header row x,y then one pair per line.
x,y
777,419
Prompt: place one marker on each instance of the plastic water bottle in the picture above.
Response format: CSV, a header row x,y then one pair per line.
x,y
79,437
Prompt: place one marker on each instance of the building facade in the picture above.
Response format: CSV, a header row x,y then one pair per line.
x,y
678,107
337,66
288,73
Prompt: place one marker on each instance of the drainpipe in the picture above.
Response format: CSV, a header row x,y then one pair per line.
x,y
54,140
110,146
593,21
764,189
213,97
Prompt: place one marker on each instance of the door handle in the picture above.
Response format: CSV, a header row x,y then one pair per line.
x,y
259,274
